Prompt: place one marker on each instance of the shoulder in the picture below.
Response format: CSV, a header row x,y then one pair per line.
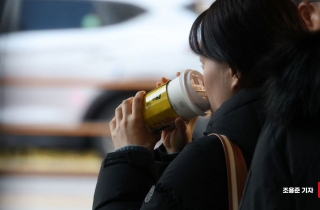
x,y
198,159
202,155
197,177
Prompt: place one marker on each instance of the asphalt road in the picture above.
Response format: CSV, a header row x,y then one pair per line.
x,y
47,179
46,192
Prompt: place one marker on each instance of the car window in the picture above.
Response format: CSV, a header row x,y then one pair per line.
x,y
58,14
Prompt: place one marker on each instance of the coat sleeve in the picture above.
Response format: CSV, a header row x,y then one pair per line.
x,y
162,159
124,179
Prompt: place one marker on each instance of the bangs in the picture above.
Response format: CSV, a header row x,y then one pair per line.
x,y
195,36
202,37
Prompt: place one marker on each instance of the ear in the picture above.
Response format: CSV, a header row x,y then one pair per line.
x,y
306,10
235,80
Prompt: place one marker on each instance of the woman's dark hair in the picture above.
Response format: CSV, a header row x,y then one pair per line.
x,y
240,32
293,86
297,2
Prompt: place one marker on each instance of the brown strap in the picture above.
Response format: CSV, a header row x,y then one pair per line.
x,y
236,170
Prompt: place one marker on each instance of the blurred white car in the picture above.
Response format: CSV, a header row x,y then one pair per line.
x,y
67,62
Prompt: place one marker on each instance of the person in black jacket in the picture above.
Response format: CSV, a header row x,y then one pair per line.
x,y
230,37
285,171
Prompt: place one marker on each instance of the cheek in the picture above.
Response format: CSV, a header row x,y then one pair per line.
x,y
316,19
206,80
209,84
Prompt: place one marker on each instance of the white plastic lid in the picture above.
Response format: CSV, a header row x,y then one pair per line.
x,y
192,85
187,95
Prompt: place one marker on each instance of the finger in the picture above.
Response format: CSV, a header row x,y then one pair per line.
x,y
158,84
165,135
112,124
178,74
192,122
118,113
164,80
127,107
137,104
180,125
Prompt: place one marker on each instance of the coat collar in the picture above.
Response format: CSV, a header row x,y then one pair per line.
x,y
244,97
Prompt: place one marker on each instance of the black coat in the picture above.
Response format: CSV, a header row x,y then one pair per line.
x,y
286,159
285,170
196,178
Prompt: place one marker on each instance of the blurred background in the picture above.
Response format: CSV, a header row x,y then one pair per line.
x,y
65,65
